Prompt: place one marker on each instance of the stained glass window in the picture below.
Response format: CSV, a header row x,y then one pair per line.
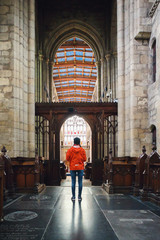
x,y
75,127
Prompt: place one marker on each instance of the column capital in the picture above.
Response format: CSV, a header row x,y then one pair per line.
x,y
114,54
108,56
47,61
40,57
51,63
98,63
102,60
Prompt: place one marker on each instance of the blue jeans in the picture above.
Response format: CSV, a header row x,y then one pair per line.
x,y
80,176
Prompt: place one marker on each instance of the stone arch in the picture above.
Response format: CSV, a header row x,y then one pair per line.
x,y
87,33
74,28
152,41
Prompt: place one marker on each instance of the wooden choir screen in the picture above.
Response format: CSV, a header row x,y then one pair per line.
x,y
96,114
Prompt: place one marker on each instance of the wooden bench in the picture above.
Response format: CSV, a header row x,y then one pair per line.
x,y
140,167
120,174
151,175
1,188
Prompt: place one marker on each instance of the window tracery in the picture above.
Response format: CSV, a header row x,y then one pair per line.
x,y
75,127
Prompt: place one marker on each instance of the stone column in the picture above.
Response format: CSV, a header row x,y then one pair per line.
x,y
121,78
109,87
51,64
114,75
40,57
102,78
31,79
98,64
17,76
139,72
105,74
45,78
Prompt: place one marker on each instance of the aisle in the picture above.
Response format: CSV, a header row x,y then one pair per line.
x,y
52,215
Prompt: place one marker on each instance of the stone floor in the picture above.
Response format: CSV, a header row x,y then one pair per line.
x,y
52,215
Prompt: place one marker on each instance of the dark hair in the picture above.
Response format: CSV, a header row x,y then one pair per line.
x,y
77,141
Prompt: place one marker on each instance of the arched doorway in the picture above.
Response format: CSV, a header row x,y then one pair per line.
x,y
75,126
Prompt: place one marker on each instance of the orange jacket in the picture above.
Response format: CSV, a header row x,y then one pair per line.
x,y
76,156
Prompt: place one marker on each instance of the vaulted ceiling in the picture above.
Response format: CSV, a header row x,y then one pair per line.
x,y
74,72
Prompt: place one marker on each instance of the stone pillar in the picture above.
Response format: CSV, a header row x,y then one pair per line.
x,y
138,88
102,78
51,64
40,78
105,80
109,86
98,64
114,75
31,79
121,78
45,81
17,42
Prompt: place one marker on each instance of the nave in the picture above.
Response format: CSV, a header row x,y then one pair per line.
x,y
51,215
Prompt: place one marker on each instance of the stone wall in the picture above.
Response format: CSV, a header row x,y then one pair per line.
x,y
154,87
134,28
17,59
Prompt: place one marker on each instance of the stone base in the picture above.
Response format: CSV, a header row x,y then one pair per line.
x,y
136,191
155,198
108,188
39,188
36,189
118,189
96,183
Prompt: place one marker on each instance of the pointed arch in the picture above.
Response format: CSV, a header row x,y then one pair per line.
x,y
78,29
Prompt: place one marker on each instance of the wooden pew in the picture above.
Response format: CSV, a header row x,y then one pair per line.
x,y
28,174
88,171
151,187
140,167
105,160
1,187
120,174
8,173
62,170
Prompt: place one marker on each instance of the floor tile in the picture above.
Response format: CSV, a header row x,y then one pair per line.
x,y
135,224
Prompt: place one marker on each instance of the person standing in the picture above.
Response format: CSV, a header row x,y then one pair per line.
x,y
76,156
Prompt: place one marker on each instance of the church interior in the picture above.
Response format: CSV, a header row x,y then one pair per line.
x,y
80,69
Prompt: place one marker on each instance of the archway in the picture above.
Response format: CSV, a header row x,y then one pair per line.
x,y
85,32
75,126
